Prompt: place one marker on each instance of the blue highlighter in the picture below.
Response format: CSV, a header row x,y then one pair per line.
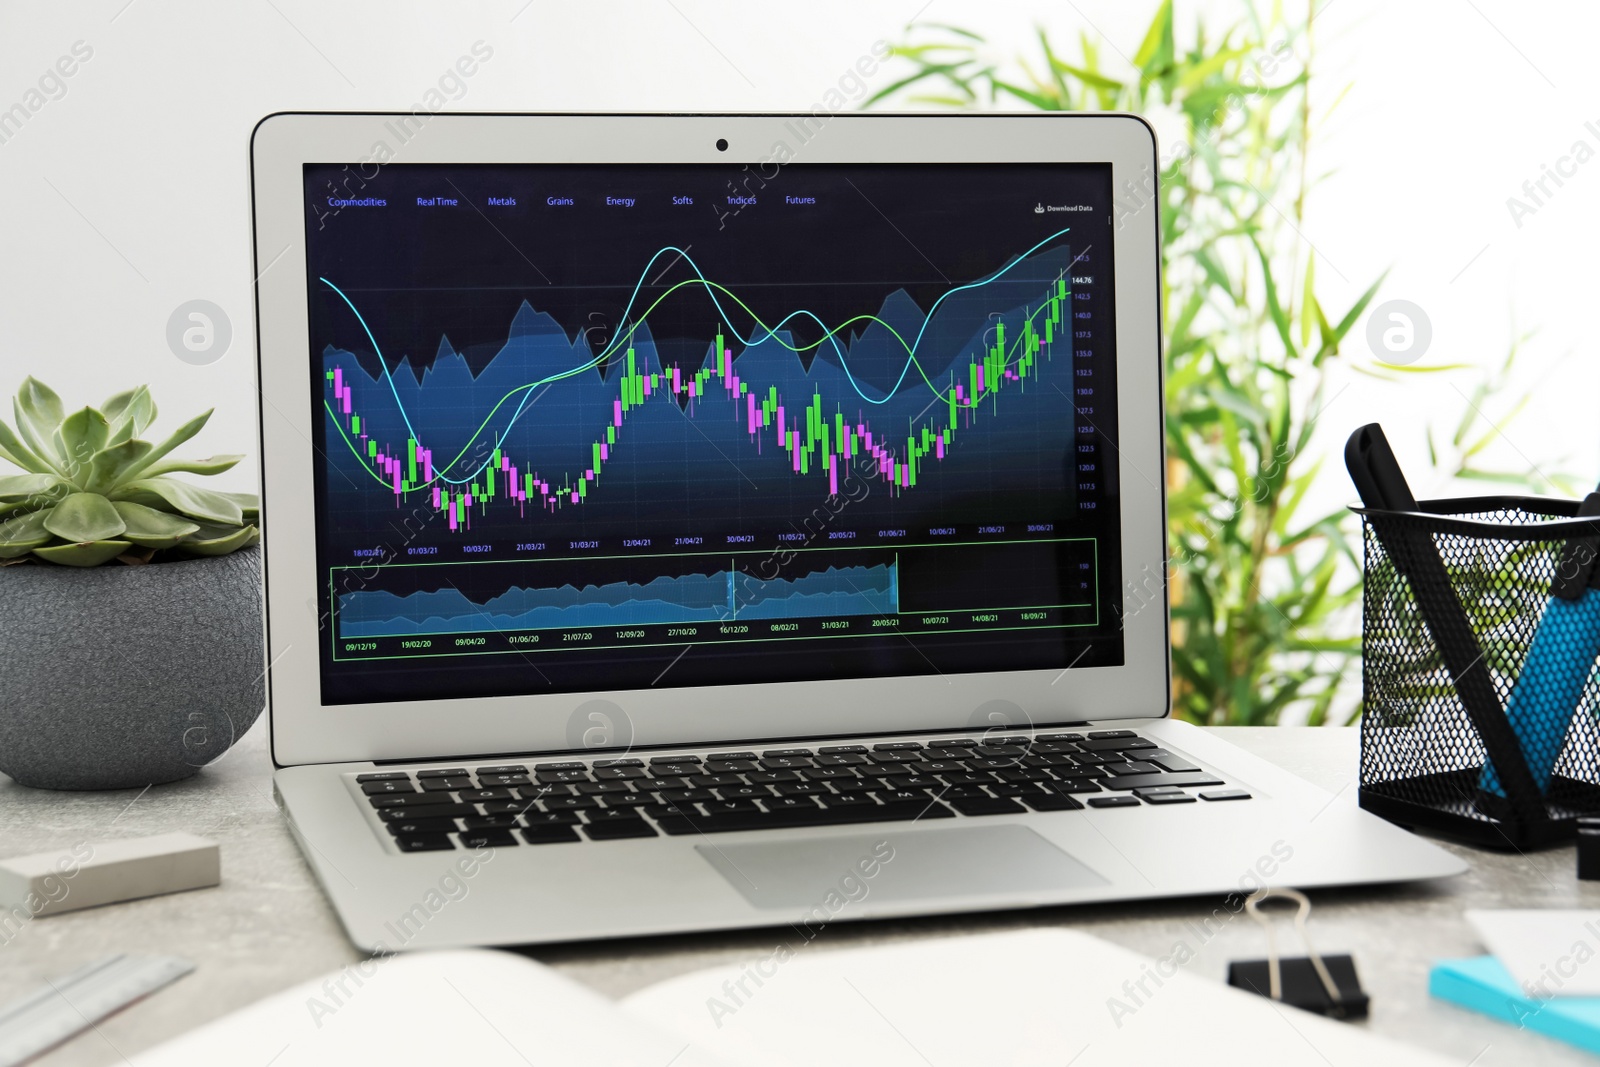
x,y
1560,659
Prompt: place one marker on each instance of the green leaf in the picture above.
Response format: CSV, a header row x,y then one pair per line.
x,y
18,486
152,528
211,465
111,465
179,436
15,450
243,537
80,436
84,517
20,535
190,500
249,507
38,411
128,412
91,554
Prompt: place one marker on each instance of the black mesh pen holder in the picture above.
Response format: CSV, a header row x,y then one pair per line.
x,y
1437,717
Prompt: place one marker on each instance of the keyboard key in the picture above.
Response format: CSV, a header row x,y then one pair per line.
x,y
812,816
566,765
901,796
896,756
490,781
427,811
772,777
1031,774
618,774
911,781
618,829
1187,779
671,807
535,819
1100,735
1226,794
508,807
687,794
842,759
987,806
679,758
731,766
1167,798
503,768
930,754
563,776
413,827
789,804
967,778
1118,770
472,796
383,776
823,774
486,838
627,800
707,781
378,789
800,789
1073,785
1013,789
787,753
847,786
846,801
1114,802
1051,802
424,843
674,770
569,803
728,807
743,792
592,789
962,792
445,785
718,756
1048,749
837,750
1077,773
1166,760
452,772
784,763
999,751
490,822
628,761
898,746
1055,738
1116,744
549,834
959,742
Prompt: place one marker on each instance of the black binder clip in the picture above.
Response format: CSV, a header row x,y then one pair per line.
x,y
1325,985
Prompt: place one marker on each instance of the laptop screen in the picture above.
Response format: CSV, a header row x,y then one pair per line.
x,y
628,426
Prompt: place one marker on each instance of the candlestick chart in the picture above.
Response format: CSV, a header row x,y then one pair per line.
x,y
554,433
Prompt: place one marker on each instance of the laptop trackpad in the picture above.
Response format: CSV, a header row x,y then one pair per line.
x,y
895,864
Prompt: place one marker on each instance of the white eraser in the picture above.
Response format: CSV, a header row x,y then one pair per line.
x,y
88,875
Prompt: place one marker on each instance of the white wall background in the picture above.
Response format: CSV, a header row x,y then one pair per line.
x,y
128,195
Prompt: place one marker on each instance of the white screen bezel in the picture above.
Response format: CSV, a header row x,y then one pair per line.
x,y
306,731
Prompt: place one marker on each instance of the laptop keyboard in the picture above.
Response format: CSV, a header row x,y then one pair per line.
x,y
779,788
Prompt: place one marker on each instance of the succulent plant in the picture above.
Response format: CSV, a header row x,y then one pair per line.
x,y
93,491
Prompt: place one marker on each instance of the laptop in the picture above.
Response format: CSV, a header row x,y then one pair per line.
x,y
691,522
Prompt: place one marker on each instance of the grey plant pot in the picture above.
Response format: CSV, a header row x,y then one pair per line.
x,y
115,677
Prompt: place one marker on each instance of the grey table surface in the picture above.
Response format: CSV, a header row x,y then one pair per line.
x,y
268,926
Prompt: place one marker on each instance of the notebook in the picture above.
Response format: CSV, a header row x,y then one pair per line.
x,y
1027,997
1483,984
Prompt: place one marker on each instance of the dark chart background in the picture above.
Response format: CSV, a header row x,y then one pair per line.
x,y
521,495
